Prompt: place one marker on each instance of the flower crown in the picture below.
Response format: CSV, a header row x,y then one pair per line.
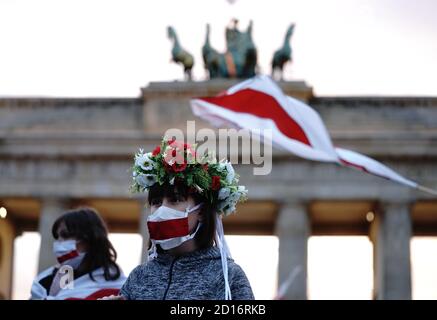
x,y
173,161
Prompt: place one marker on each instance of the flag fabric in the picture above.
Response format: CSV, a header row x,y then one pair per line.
x,y
84,288
361,162
258,103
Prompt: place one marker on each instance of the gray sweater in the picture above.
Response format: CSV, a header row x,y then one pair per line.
x,y
194,276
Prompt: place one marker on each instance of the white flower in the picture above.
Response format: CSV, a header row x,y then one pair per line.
x,y
234,196
231,173
227,206
222,165
146,180
242,191
231,201
144,161
229,196
229,210
224,193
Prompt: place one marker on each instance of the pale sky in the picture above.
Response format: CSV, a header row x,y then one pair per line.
x,y
114,47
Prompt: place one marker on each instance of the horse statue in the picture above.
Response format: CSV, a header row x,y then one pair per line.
x,y
282,55
179,54
240,58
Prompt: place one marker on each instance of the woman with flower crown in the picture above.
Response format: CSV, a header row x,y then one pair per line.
x,y
188,256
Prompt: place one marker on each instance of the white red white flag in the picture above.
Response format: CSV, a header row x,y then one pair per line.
x,y
258,103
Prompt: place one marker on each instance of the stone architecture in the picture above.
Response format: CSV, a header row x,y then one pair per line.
x,y
57,153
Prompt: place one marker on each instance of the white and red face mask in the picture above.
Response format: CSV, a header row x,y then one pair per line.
x,y
66,252
169,227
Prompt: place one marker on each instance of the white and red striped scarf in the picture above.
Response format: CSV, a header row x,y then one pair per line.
x,y
84,287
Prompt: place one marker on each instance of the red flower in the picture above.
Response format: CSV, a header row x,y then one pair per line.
x,y
156,151
215,183
167,167
205,167
174,154
178,167
175,167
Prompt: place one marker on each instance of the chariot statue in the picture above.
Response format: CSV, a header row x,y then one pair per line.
x,y
240,58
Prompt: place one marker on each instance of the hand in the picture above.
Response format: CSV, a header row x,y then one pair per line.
x,y
113,297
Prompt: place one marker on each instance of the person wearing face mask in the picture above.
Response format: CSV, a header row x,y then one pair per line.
x,y
188,255
87,267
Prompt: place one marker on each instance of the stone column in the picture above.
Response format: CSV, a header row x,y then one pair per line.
x,y
144,232
51,209
391,232
7,237
293,229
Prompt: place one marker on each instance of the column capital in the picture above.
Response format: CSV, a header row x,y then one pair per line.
x,y
292,215
382,203
283,203
63,202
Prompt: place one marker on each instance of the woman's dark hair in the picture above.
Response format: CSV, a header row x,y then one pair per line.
x,y
85,224
205,236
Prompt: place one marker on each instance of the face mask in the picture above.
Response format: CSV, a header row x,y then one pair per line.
x,y
169,227
66,252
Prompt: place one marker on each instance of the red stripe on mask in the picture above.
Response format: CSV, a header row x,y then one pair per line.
x,y
68,256
161,230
